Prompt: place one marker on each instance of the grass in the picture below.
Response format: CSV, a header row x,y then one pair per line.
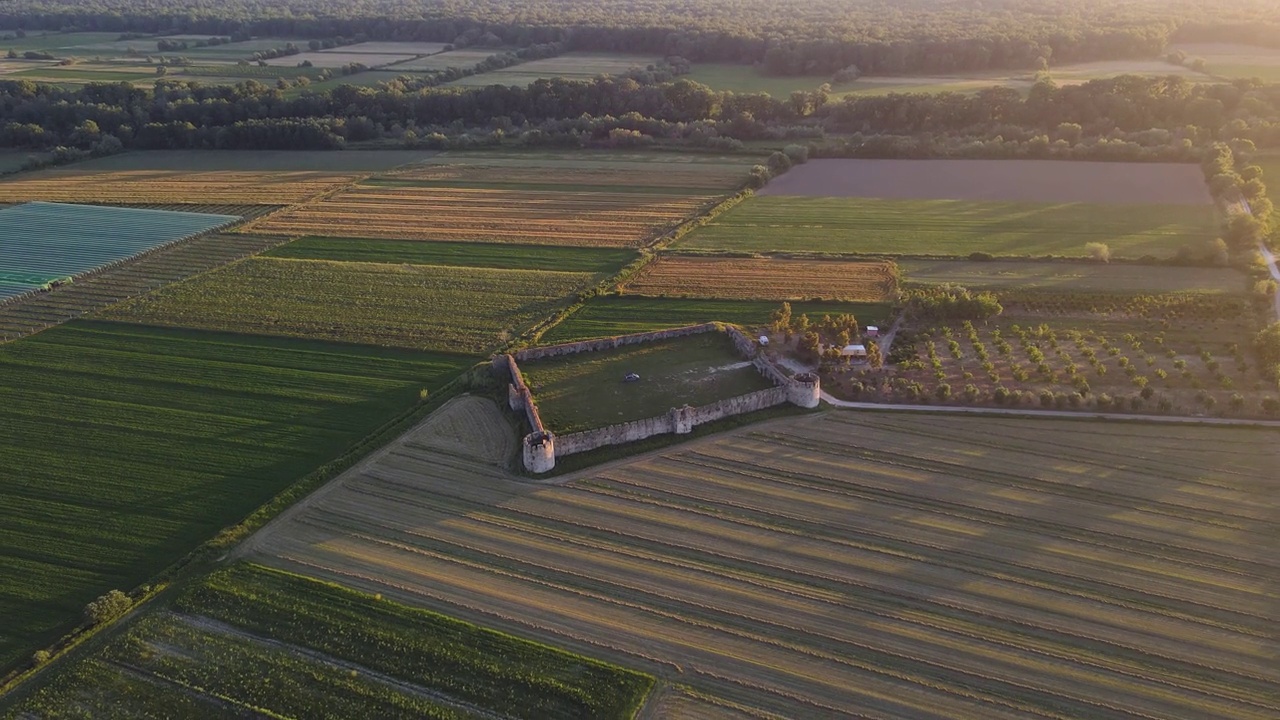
x,y
1073,276
417,306
570,66
748,79
586,390
284,645
126,446
619,315
1270,165
508,257
58,44
952,227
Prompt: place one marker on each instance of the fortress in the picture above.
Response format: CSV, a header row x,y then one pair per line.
x,y
541,447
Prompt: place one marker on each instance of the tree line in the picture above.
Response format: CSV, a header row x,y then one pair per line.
x,y
1123,118
787,37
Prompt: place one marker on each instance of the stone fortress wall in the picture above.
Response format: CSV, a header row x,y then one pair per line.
x,y
540,448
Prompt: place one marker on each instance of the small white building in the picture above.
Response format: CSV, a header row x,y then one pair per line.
x,y
857,352
873,331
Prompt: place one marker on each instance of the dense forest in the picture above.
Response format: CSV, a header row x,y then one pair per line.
x,y
1128,118
1124,118
787,37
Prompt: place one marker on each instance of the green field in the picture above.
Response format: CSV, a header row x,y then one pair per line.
x,y
570,66
510,257
281,645
748,79
952,227
1271,175
586,390
254,161
1085,277
453,309
618,315
59,44
125,446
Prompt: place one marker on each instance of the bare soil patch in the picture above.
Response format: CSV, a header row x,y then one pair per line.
x,y
1046,181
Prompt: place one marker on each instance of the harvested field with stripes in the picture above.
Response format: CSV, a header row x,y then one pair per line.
x,y
455,309
606,219
846,564
134,278
170,186
765,279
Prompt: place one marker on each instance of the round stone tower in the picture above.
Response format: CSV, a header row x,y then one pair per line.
x,y
804,390
539,452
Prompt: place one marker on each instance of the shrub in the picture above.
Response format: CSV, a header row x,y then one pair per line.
x,y
107,608
943,391
1099,251
40,657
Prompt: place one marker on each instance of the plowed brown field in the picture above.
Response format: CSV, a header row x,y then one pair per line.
x,y
438,213
171,186
854,564
765,279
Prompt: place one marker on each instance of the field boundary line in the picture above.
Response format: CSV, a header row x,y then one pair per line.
x,y
1057,414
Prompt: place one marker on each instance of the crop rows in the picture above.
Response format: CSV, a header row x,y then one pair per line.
x,y
878,565
555,218
126,446
706,177
765,279
129,280
953,227
171,186
418,306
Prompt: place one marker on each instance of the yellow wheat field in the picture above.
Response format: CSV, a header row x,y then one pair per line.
x,y
500,216
172,186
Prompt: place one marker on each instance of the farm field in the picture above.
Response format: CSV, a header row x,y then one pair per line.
x,y
586,390
878,564
126,446
593,219
174,186
569,66
583,169
264,161
619,315
764,279
1271,173
1081,277
298,633
953,227
600,261
750,79
59,44
464,310
461,58
1032,181
139,276
338,57
1235,61
379,47
11,160
43,242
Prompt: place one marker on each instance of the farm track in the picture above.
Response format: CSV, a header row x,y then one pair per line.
x,y
134,278
848,564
